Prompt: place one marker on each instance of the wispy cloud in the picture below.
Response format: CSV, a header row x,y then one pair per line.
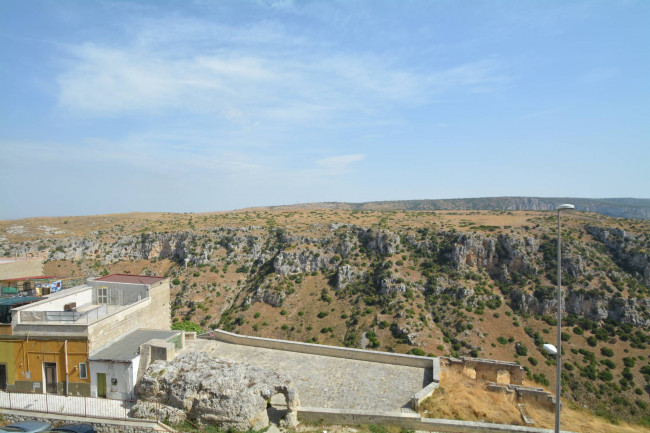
x,y
242,79
339,163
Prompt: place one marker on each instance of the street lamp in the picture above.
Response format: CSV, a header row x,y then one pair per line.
x,y
558,378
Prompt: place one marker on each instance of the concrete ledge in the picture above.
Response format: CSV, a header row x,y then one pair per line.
x,y
102,425
423,394
436,370
318,349
408,420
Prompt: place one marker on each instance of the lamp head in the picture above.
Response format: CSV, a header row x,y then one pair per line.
x,y
550,349
564,207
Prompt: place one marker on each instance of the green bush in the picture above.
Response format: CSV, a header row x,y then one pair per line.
x,y
417,351
176,281
322,314
606,351
521,349
609,363
187,326
578,330
605,375
532,360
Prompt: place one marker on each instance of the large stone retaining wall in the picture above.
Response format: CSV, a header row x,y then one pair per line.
x,y
408,420
101,425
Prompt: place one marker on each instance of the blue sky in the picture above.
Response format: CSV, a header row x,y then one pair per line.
x,y
110,106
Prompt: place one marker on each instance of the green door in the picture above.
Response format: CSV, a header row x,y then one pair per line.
x,y
101,385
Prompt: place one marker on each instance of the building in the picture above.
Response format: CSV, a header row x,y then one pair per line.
x,y
115,368
51,340
7,364
29,286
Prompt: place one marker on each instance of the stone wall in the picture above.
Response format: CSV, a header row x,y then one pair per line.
x,y
408,420
487,369
152,313
319,349
101,425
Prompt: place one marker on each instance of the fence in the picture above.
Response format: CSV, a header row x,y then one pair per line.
x,y
87,407
87,316
67,405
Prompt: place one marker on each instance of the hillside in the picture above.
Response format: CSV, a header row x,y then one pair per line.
x,y
614,207
470,283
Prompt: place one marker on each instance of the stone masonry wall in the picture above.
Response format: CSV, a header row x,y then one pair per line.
x,y
488,369
101,425
151,313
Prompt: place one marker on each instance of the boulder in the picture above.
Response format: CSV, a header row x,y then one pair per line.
x,y
213,391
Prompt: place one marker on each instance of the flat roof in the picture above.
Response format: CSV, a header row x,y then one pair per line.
x,y
19,300
131,279
128,347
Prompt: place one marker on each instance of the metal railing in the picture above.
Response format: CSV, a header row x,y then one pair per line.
x,y
67,405
78,406
63,316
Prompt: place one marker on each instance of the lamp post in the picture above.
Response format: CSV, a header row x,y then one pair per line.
x,y
558,378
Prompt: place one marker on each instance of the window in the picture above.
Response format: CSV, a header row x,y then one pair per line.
x,y
102,295
83,370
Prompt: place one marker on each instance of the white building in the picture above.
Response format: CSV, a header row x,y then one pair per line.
x,y
115,368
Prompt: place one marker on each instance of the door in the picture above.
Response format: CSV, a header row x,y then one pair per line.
x,y
50,377
101,385
3,377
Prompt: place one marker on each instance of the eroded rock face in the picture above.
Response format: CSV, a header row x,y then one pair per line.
x,y
213,391
624,248
596,308
286,263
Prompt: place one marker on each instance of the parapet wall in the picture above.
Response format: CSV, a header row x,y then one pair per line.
x,y
318,349
528,394
487,369
408,420
101,425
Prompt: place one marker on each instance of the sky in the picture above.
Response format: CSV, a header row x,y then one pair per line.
x,y
194,106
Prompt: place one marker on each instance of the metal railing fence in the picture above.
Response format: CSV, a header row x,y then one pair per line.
x,y
67,405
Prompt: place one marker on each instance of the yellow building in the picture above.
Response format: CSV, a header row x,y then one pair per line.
x,y
45,365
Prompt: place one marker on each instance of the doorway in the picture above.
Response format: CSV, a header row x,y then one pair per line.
x,y
101,385
3,377
49,368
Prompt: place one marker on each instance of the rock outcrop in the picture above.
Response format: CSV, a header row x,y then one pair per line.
x,y
212,391
593,307
293,262
624,248
500,257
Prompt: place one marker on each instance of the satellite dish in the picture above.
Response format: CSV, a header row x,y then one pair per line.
x,y
550,349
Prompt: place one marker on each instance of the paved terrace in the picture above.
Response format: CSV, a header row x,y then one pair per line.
x,y
329,382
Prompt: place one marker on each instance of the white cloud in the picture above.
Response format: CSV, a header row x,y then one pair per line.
x,y
339,163
246,74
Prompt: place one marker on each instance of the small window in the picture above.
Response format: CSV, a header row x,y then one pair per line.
x,y
102,295
83,370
